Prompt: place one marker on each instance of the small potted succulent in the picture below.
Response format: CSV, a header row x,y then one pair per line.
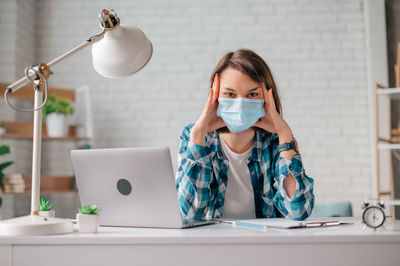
x,y
45,208
88,219
55,112
3,150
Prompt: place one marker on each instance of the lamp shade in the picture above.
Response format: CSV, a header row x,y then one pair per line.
x,y
122,52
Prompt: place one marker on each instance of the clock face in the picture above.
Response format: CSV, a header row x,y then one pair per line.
x,y
373,216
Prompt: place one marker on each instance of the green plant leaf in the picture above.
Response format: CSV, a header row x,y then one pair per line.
x,y
58,105
4,149
44,205
89,209
4,165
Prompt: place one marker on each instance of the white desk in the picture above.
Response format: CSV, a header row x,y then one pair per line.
x,y
218,244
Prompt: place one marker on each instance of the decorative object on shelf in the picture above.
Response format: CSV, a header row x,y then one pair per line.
x,y
55,112
88,219
2,130
395,135
3,150
14,183
118,51
45,208
374,214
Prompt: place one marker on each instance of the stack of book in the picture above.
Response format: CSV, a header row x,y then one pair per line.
x,y
395,135
14,183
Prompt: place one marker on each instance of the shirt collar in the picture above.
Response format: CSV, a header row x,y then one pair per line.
x,y
217,147
255,153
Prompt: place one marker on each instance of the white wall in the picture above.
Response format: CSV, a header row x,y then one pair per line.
x,y
316,50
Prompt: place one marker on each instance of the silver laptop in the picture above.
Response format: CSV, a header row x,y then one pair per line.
x,y
133,186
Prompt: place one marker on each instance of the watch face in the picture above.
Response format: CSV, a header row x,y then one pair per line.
x,y
373,216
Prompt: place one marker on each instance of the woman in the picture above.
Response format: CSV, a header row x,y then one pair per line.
x,y
240,160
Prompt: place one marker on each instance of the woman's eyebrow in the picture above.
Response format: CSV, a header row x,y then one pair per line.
x,y
229,89
254,89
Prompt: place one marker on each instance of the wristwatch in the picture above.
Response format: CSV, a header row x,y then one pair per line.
x,y
288,146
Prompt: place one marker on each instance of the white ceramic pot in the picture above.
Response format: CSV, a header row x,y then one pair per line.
x,y
51,213
56,125
87,223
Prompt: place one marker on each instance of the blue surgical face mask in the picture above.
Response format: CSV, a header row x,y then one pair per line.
x,y
240,114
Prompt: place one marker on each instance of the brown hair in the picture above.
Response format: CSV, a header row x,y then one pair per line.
x,y
251,64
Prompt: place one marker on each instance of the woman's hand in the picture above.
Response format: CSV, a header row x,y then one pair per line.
x,y
208,120
272,120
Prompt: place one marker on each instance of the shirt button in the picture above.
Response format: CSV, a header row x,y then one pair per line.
x,y
220,154
252,173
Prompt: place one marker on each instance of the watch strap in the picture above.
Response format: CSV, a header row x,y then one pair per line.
x,y
288,146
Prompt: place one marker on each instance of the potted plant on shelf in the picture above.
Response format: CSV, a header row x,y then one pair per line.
x,y
55,112
3,150
45,208
88,219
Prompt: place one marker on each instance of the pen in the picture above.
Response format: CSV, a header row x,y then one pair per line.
x,y
319,224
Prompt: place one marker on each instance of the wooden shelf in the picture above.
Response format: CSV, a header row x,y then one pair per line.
x,y
27,93
384,91
24,130
44,192
26,136
49,185
388,143
394,93
392,140
389,146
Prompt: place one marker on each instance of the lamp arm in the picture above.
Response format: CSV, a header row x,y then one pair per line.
x,y
25,80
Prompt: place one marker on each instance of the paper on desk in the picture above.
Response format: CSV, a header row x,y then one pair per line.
x,y
282,223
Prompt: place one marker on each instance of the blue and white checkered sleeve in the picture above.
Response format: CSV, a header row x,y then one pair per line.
x,y
193,177
300,204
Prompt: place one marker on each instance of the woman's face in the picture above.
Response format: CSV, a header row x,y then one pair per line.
x,y
235,84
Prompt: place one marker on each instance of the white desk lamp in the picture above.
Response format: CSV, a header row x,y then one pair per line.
x,y
117,51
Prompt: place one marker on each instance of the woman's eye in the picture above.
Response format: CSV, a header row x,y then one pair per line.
x,y
253,94
229,94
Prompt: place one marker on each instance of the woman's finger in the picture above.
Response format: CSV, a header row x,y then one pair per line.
x,y
266,96
271,100
216,87
210,97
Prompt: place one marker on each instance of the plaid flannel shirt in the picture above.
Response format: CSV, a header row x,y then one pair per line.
x,y
202,179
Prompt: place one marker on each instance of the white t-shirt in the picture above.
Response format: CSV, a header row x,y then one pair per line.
x,y
239,195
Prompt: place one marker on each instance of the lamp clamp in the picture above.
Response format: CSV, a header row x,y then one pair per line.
x,y
39,81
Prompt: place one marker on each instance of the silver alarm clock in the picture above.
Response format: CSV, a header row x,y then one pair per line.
x,y
373,215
